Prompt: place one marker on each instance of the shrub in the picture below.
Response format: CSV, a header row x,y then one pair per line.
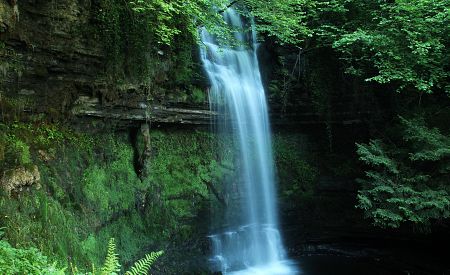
x,y
24,261
407,182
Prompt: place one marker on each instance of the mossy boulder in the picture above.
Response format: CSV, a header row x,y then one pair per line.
x,y
15,180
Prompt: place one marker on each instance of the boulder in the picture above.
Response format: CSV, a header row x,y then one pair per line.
x,y
17,179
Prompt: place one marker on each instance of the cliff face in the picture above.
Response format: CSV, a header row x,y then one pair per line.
x,y
49,56
53,62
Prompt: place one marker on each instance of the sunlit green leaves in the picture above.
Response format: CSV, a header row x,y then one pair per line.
x,y
171,18
406,42
292,21
397,42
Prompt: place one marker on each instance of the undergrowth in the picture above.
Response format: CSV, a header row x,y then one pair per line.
x,y
90,191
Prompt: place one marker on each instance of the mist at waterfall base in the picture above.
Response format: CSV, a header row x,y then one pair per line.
x,y
251,244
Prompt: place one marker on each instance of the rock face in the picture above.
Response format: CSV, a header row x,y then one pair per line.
x,y
52,62
9,15
143,111
48,56
15,180
51,58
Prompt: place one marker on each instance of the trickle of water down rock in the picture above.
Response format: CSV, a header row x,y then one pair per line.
x,y
252,245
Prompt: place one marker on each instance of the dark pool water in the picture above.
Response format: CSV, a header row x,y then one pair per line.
x,y
336,265
345,265
376,258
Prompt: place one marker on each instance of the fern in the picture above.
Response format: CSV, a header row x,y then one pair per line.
x,y
142,266
111,266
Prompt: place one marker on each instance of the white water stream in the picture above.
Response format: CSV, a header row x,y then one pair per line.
x,y
253,244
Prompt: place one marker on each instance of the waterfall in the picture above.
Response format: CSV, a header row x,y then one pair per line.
x,y
252,243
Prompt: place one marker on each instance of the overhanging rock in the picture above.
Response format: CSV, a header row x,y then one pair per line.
x,y
89,106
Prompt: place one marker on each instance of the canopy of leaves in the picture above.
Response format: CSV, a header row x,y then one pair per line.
x,y
406,42
399,42
172,18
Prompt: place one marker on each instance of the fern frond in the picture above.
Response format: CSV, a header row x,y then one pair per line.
x,y
73,268
111,266
142,266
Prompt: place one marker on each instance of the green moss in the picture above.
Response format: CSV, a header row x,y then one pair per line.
x,y
57,218
19,150
113,186
11,63
297,171
132,41
91,192
37,220
198,95
181,166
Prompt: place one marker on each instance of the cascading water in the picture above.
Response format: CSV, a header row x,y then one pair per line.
x,y
252,243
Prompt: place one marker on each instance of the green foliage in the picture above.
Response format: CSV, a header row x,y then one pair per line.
x,y
126,39
25,261
32,261
90,247
48,135
296,171
179,169
65,212
112,187
406,182
397,42
111,265
293,22
42,135
142,266
171,18
407,43
374,154
276,18
19,140
429,144
148,42
37,220
198,95
182,167
132,230
19,150
91,191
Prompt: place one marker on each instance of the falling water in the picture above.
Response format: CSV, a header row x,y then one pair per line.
x,y
252,243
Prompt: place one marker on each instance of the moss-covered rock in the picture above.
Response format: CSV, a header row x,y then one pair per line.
x,y
15,180
92,190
